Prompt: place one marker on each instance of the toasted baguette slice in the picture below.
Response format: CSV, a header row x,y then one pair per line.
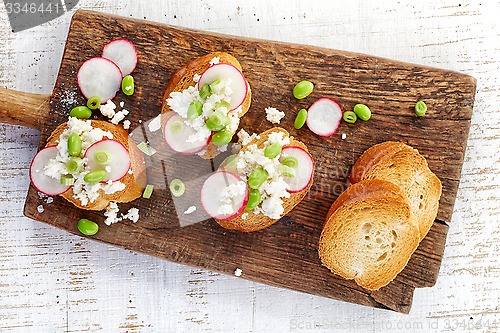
x,y
402,165
134,183
183,79
254,222
369,235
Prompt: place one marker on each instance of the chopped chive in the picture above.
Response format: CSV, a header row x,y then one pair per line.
x,y
146,148
148,191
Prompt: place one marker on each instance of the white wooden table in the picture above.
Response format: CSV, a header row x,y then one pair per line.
x,y
51,281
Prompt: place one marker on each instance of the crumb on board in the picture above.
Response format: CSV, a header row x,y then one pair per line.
x,y
344,136
238,272
190,210
40,209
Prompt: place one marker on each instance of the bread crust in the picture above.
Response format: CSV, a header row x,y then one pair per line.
x,y
183,79
369,234
254,222
403,165
134,183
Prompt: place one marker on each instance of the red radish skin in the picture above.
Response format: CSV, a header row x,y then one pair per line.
x,y
119,162
99,77
224,71
123,53
42,183
214,184
324,116
304,171
177,142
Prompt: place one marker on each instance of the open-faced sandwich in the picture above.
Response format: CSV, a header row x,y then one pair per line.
x,y
373,228
203,104
256,187
90,163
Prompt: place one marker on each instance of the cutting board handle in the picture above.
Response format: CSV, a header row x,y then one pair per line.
x,y
24,109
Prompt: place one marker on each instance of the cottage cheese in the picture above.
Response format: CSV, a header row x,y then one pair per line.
x,y
179,102
228,194
84,192
214,61
274,115
112,211
108,109
119,116
274,189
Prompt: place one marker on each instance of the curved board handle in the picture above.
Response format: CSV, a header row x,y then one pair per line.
x,y
24,109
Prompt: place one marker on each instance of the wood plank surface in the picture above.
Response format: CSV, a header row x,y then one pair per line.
x,y
286,253
88,286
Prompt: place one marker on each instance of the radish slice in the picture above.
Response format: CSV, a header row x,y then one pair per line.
x,y
323,117
176,134
45,184
118,158
211,195
226,72
99,77
304,171
123,53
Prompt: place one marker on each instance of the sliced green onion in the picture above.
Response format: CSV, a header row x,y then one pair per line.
x,y
217,121
67,180
290,161
74,165
95,176
148,191
94,103
176,126
350,117
216,86
195,110
287,171
146,148
205,91
273,150
222,104
102,157
177,187
230,163
420,108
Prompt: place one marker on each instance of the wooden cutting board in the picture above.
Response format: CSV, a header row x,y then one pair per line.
x,y
284,254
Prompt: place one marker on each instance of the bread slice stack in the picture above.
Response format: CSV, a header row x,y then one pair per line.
x,y
373,228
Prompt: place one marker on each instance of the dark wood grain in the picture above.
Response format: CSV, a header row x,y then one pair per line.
x,y
284,254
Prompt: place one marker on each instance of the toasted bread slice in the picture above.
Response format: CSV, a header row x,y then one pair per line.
x,y
134,183
252,221
402,165
183,79
369,234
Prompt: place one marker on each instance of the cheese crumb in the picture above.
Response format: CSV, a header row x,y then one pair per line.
x,y
344,136
119,116
40,209
190,210
214,61
244,216
108,109
111,213
49,200
126,124
122,104
132,215
238,272
154,124
274,115
196,78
